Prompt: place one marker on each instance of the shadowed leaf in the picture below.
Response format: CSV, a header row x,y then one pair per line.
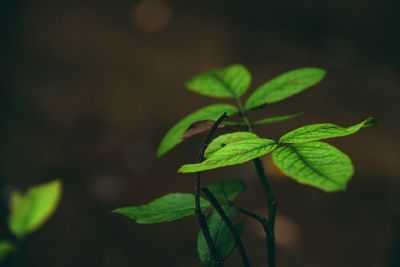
x,y
199,128
227,190
224,241
176,134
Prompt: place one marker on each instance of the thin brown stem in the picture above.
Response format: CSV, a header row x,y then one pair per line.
x,y
199,214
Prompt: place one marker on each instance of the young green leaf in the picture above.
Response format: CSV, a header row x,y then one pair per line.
x,y
225,139
224,241
315,163
5,249
31,209
229,82
233,154
284,86
167,208
276,119
323,131
226,191
175,134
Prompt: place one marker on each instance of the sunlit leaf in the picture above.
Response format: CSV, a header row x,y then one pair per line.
x,y
284,86
225,139
229,82
226,191
233,154
5,249
167,208
31,209
276,119
223,239
322,131
315,163
176,133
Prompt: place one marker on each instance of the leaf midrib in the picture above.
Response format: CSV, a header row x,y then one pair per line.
x,y
294,150
226,86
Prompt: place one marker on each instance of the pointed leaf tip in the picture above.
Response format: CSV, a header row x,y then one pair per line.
x,y
320,131
285,85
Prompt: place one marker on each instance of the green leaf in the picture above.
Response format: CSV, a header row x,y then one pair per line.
x,y
5,249
226,191
223,239
276,119
322,131
233,154
167,208
175,134
284,86
315,163
225,139
229,82
31,209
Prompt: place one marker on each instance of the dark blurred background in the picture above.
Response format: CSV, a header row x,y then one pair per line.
x,y
89,88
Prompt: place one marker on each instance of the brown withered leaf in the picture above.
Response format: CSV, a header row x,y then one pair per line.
x,y
199,128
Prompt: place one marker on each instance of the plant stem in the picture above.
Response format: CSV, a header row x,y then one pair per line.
x,y
203,223
269,226
199,214
230,226
272,205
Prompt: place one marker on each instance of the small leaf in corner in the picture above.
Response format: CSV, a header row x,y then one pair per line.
x,y
31,209
5,249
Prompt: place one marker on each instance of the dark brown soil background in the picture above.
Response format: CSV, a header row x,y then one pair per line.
x,y
89,88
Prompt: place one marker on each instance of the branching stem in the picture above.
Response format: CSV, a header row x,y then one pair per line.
x,y
199,214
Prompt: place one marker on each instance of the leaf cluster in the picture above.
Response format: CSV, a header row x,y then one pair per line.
x,y
299,153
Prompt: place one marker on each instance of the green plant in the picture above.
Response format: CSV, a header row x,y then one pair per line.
x,y
29,211
299,154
